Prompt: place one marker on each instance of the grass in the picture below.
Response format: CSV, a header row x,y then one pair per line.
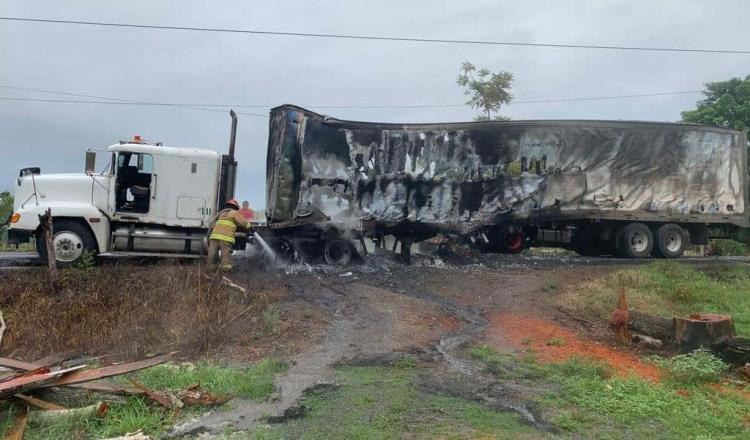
x,y
587,401
386,402
252,382
699,366
137,413
668,288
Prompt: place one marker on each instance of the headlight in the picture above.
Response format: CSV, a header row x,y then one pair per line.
x,y
15,218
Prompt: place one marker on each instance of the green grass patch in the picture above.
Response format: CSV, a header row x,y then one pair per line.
x,y
388,403
137,413
251,382
699,366
586,400
668,288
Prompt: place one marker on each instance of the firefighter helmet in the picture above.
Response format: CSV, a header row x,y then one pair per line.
x,y
233,203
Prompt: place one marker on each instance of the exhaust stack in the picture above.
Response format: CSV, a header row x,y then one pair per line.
x,y
228,167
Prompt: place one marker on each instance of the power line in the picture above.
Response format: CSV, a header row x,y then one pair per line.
x,y
376,37
111,101
119,101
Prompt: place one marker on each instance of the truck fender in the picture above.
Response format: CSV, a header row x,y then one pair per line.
x,y
89,214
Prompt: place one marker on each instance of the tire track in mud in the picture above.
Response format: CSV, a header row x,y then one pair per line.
x,y
491,391
361,335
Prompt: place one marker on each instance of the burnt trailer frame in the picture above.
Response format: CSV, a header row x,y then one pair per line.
x,y
550,179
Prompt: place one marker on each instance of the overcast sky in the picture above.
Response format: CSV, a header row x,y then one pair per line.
x,y
196,67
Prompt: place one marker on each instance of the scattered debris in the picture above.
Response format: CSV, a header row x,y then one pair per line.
x,y
193,396
39,403
31,376
98,409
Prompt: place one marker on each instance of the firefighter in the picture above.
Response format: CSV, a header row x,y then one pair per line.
x,y
221,240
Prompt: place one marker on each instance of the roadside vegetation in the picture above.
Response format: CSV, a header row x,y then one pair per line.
x,y
390,402
139,413
667,288
586,400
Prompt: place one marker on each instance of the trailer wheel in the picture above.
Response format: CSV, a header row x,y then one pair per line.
x,y
671,241
635,241
506,241
285,250
69,241
338,252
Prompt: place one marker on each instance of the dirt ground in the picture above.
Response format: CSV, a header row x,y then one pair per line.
x,y
316,317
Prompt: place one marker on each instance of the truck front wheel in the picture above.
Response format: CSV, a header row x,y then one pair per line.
x,y
635,241
670,241
70,240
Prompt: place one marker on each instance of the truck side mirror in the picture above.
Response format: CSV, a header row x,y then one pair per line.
x,y
90,162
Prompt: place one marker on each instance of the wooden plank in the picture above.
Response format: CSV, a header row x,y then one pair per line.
x,y
18,365
109,371
38,377
39,403
15,432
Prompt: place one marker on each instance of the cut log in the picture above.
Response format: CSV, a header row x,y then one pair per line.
x,y
735,350
653,326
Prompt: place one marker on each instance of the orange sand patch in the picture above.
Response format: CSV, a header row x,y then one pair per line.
x,y
551,342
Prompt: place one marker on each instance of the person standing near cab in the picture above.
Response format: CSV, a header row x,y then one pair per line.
x,y
221,238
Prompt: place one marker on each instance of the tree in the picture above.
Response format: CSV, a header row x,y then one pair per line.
x,y
487,91
727,105
6,207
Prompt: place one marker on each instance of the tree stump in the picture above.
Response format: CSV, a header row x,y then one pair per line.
x,y
703,330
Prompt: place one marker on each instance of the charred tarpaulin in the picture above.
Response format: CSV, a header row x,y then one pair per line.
x,y
461,177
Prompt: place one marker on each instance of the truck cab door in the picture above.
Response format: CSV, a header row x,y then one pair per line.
x,y
135,183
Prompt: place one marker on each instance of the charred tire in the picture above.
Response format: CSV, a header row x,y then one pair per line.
x,y
338,252
635,240
505,241
671,241
286,251
70,240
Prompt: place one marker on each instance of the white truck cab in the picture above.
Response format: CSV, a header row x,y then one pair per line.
x,y
147,199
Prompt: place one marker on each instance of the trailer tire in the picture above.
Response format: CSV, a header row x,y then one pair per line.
x,y
70,240
286,250
671,241
635,241
338,252
506,241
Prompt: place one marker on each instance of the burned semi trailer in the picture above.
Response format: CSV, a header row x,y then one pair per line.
x,y
633,188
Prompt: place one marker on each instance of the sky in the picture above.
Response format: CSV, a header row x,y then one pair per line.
x,y
207,68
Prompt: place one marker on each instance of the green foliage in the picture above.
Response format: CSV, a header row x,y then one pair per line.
x,y
255,381
271,320
590,403
86,263
668,288
486,90
727,248
388,403
727,104
699,366
550,285
6,209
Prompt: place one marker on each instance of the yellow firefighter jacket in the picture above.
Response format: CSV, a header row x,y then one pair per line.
x,y
226,223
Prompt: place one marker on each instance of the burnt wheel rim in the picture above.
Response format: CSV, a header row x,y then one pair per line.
x,y
338,253
514,241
